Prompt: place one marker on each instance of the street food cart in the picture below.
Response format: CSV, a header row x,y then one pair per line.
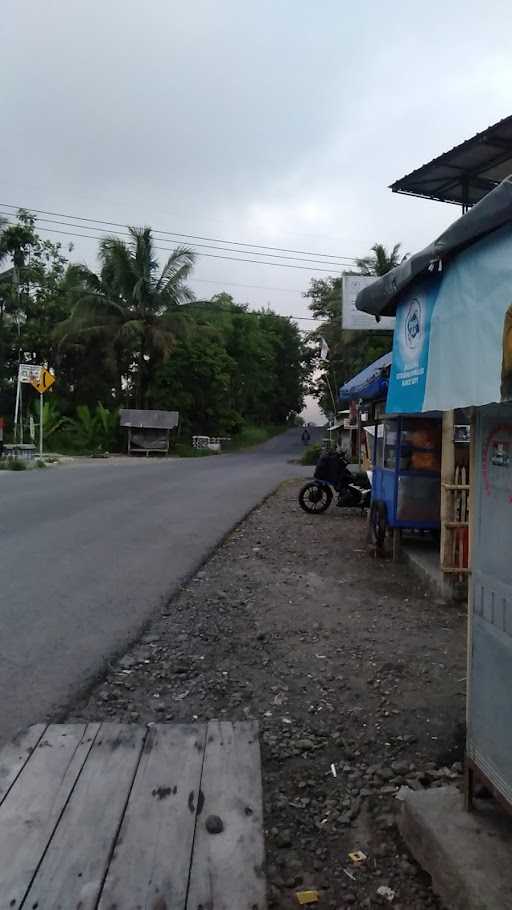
x,y
406,479
405,454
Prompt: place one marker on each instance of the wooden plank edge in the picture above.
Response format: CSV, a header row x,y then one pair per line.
x,y
27,740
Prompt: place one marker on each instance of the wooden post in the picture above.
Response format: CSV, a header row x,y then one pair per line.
x,y
447,477
468,776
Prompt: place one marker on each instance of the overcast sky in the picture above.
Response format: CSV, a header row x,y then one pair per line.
x,y
278,122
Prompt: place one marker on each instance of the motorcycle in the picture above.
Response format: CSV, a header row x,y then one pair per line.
x,y
332,471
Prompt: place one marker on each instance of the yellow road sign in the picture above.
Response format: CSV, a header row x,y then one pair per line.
x,y
46,380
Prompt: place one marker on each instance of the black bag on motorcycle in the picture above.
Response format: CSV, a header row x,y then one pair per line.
x,y
328,468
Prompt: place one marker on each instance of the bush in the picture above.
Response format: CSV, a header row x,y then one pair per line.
x,y
254,436
16,464
311,454
185,450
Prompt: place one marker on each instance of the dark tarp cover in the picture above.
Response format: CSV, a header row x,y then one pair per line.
x,y
381,297
370,383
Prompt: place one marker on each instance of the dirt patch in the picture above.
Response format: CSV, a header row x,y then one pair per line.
x,y
355,672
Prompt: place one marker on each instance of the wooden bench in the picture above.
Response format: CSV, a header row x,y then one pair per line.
x,y
125,817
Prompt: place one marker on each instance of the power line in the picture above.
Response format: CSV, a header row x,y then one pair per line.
x,y
194,246
257,287
213,304
165,249
180,234
217,305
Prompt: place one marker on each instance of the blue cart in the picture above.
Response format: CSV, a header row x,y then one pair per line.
x,y
406,480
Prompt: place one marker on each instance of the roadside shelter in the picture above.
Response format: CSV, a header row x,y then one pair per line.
x,y
148,431
452,348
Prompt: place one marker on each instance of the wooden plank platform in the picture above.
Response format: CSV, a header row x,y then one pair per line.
x,y
124,817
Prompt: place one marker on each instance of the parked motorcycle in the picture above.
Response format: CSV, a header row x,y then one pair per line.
x,y
332,472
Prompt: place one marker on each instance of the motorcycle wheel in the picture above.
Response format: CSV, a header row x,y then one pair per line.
x,y
315,498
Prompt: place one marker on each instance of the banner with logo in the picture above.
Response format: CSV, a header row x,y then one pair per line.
x,y
411,343
452,346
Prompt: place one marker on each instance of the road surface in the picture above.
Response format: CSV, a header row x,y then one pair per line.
x,y
90,550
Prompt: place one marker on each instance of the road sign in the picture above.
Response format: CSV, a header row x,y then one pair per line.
x,y
43,383
29,372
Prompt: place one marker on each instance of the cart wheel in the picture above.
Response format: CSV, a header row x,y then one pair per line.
x,y
378,524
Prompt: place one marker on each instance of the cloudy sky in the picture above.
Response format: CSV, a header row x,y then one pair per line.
x,y
276,122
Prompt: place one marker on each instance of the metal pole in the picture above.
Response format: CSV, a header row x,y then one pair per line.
x,y
332,396
16,410
41,424
21,413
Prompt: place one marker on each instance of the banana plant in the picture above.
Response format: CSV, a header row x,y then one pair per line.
x,y
53,421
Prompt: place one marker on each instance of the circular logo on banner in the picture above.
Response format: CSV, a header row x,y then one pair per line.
x,y
413,326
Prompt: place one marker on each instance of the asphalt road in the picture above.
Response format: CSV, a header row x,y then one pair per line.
x,y
90,550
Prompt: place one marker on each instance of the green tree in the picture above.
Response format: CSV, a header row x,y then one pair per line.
x,y
130,304
232,367
349,350
31,299
380,261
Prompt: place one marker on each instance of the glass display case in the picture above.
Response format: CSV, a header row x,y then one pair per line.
x,y
407,472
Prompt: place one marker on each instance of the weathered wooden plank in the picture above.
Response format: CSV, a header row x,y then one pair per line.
x,y
30,812
72,871
151,863
15,755
227,868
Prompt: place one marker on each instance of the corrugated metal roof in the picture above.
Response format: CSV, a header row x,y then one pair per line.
x,y
495,210
465,173
149,420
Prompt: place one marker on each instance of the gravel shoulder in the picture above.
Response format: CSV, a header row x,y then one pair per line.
x,y
354,671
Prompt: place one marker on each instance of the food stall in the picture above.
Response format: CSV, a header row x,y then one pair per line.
x,y
452,349
406,481
405,455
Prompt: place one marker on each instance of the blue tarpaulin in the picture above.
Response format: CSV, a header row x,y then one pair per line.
x,y
450,331
452,345
370,383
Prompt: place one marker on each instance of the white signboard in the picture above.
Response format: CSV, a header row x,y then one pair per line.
x,y
28,372
355,319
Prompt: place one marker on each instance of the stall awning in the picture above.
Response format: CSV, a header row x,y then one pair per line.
x,y
452,344
467,172
370,384
495,210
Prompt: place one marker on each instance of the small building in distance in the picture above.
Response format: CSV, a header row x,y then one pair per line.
x,y
148,431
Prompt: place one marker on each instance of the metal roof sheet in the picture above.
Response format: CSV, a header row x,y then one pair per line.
x,y
493,211
465,173
149,420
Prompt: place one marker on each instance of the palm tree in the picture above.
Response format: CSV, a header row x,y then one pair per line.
x,y
380,261
130,302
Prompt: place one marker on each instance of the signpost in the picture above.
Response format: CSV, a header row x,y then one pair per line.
x,y
27,372
42,382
